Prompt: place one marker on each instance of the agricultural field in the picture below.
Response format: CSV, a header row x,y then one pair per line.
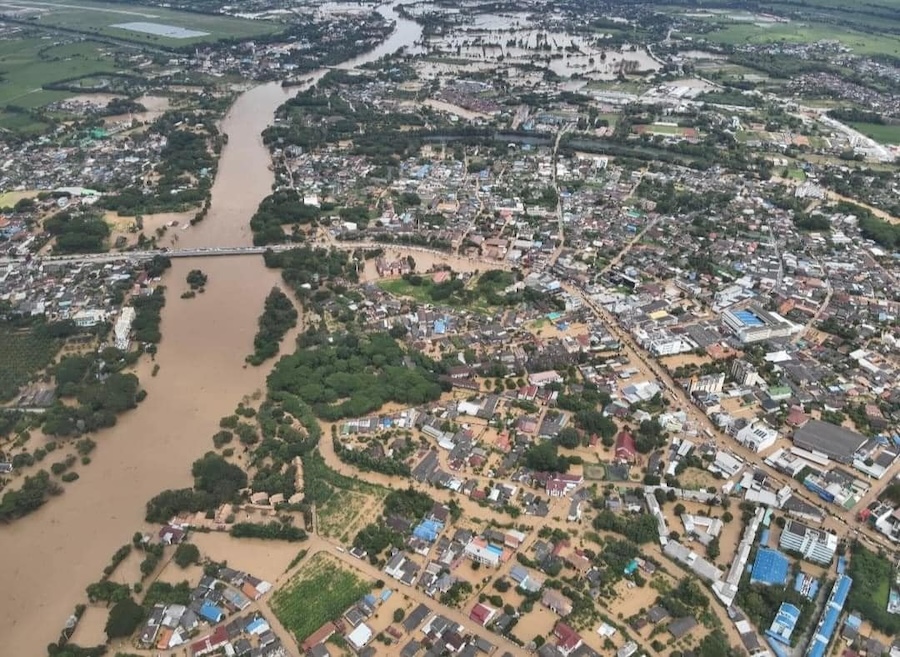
x,y
23,353
346,512
882,133
149,25
30,63
736,33
321,591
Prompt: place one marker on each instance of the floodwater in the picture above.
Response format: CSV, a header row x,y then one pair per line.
x,y
51,556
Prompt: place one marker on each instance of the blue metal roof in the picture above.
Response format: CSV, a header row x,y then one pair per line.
x,y
770,567
828,622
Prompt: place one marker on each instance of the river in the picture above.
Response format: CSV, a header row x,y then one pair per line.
x,y
49,558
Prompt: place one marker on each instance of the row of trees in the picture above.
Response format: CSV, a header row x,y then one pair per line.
x,y
278,317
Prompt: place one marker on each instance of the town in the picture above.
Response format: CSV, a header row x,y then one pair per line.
x,y
423,330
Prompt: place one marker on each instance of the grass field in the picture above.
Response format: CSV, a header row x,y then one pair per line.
x,y
23,353
28,64
884,134
320,592
346,512
791,33
98,18
401,288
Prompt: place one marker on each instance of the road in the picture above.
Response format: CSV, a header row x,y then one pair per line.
x,y
841,521
561,229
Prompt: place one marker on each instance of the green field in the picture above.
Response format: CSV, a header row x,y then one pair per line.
x,y
98,18
740,33
28,64
402,288
23,353
884,134
320,592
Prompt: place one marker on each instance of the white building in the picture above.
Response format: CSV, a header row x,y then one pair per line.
x,y
815,545
757,436
122,329
755,324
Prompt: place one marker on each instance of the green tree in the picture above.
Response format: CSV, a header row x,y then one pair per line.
x,y
124,618
186,554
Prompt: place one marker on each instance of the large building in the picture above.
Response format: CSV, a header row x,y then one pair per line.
x,y
757,436
755,324
815,545
837,443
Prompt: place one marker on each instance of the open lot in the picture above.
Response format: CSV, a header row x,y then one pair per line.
x,y
319,592
103,18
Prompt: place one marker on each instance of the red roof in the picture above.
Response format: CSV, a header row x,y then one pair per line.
x,y
625,446
567,638
481,614
215,640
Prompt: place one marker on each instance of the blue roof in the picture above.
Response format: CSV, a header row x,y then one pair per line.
x,y
764,537
428,530
211,612
828,622
854,621
748,318
770,567
387,593
841,565
785,622
256,623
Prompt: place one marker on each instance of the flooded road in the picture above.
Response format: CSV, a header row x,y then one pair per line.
x,y
51,556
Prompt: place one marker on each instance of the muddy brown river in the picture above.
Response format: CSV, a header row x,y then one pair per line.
x,y
49,558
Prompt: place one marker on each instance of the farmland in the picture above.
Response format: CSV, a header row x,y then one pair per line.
x,y
882,133
319,592
23,352
98,18
29,64
734,33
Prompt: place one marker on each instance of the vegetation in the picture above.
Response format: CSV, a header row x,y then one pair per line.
x,y
25,350
215,481
77,233
147,317
273,531
640,528
282,207
543,456
408,503
101,389
196,279
872,576
347,375
30,496
124,618
165,593
320,592
278,317
186,554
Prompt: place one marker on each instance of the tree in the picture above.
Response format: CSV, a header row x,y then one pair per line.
x,y
544,457
124,618
399,615
196,279
186,554
713,550
568,438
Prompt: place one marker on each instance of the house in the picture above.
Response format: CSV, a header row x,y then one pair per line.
x,y
557,602
682,626
482,614
211,613
360,636
625,449
171,535
211,643
567,639
560,485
